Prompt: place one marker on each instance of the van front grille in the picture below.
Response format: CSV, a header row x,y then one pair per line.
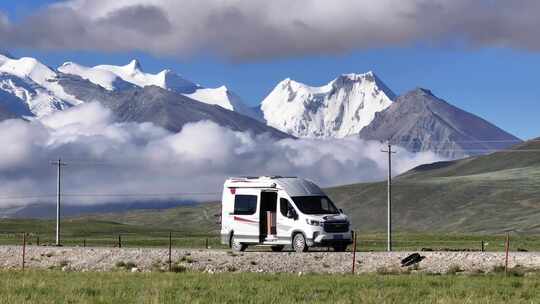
x,y
333,227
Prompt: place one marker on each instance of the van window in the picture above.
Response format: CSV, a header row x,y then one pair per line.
x,y
245,204
284,206
315,205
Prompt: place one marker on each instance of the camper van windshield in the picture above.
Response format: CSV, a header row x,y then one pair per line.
x,y
315,205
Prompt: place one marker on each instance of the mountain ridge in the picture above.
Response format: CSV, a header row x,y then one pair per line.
x,y
420,121
133,74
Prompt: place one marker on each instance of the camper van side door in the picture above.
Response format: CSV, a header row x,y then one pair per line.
x,y
245,215
286,219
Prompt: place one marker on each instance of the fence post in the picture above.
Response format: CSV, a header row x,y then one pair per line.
x,y
84,243
483,248
206,244
119,241
37,240
506,248
23,250
170,247
354,251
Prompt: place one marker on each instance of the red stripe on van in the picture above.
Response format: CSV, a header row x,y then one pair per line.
x,y
237,218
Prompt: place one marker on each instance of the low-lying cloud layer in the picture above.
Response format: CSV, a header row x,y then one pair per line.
x,y
149,162
248,29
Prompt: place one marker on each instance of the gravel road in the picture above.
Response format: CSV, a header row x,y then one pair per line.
x,y
152,259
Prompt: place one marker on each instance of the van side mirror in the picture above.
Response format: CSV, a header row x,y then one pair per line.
x,y
291,213
340,210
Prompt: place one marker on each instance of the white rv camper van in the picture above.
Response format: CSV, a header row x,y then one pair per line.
x,y
278,211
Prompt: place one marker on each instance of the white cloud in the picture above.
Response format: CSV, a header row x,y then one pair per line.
x,y
128,158
253,29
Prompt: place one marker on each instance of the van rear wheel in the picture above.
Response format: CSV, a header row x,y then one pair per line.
x,y
299,243
236,245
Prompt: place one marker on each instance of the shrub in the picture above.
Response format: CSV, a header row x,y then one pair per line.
x,y
497,269
157,266
178,268
120,264
187,259
386,271
63,263
454,269
130,265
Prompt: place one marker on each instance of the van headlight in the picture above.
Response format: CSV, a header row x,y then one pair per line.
x,y
313,222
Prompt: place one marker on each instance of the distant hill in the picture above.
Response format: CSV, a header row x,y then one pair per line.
x,y
483,194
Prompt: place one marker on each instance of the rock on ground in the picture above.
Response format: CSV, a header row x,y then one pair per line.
x,y
212,261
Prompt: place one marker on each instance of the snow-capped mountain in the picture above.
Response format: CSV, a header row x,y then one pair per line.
x,y
112,77
339,109
30,88
164,108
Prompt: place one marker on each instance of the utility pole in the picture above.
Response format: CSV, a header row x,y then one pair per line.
x,y
59,165
389,194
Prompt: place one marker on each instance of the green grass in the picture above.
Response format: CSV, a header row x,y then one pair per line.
x,y
120,287
101,230
97,233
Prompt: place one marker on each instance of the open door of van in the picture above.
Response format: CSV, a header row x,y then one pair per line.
x,y
268,208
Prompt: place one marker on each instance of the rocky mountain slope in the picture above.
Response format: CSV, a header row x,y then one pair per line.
x,y
420,121
162,107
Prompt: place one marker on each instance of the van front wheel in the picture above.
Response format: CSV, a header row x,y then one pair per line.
x,y
299,243
236,245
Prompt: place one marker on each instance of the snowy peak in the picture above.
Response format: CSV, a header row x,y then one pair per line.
x,y
340,108
113,77
4,57
106,79
133,66
224,98
169,80
31,88
28,67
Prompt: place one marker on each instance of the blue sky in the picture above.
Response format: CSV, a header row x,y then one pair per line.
x,y
498,84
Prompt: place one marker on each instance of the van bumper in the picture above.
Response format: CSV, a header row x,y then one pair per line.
x,y
330,239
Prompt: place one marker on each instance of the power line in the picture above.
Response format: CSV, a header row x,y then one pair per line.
x,y
469,141
389,203
59,165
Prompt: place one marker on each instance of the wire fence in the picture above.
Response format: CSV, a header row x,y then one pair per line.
x,y
492,243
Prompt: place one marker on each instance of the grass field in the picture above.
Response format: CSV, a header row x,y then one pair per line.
x,y
97,233
121,287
